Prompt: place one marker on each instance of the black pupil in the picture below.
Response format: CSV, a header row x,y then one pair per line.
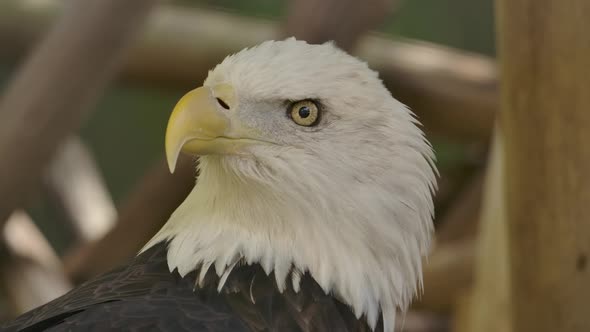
x,y
304,112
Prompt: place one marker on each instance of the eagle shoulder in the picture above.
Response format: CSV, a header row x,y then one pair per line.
x,y
140,296
145,296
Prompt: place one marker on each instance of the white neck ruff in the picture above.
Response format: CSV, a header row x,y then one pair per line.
x,y
365,246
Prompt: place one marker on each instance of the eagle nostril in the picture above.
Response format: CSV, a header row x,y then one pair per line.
x,y
222,103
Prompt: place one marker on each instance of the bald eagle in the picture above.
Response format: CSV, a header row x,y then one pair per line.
x,y
311,212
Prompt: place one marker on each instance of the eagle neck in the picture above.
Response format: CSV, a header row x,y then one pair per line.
x,y
351,253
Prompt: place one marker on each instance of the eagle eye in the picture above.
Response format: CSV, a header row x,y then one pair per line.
x,y
304,113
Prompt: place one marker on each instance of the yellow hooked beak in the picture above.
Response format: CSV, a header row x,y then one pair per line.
x,y
199,126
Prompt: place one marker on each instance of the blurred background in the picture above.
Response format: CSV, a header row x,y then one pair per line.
x,y
86,89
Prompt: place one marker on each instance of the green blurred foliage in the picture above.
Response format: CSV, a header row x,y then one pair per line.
x,y
126,130
464,24
126,134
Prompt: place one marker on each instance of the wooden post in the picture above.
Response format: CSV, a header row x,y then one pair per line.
x,y
486,307
545,116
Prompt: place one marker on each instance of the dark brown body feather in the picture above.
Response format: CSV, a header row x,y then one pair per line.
x,y
145,296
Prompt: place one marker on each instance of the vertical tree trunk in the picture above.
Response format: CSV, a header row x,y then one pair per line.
x,y
486,308
545,116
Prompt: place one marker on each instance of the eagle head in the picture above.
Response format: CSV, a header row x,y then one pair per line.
x,y
306,163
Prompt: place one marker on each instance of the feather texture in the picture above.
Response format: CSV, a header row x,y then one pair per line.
x,y
145,296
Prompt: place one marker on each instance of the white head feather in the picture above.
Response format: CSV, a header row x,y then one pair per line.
x,y
349,201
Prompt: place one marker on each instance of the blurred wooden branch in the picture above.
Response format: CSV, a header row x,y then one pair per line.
x,y
447,272
417,321
449,269
343,21
453,92
61,80
77,187
148,207
30,272
461,219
